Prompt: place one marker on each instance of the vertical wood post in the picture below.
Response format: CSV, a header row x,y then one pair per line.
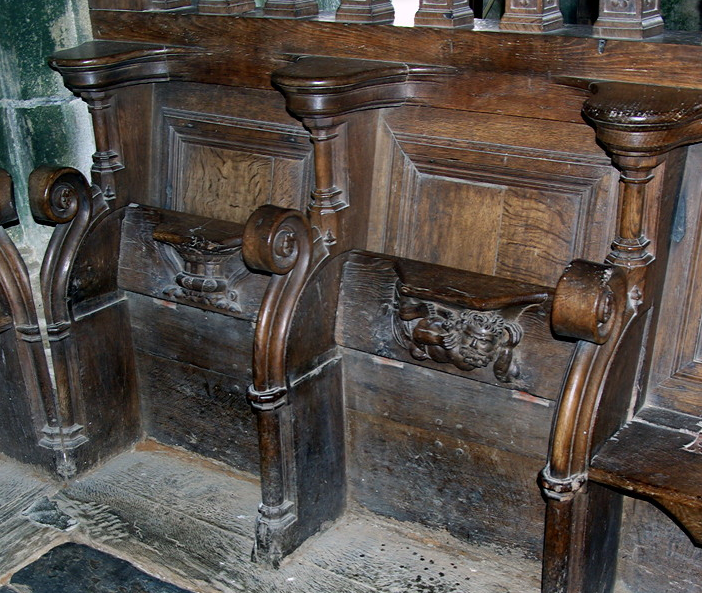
x,y
531,15
628,19
444,13
365,11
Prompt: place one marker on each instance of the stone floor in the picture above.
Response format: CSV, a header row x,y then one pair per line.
x,y
74,568
190,522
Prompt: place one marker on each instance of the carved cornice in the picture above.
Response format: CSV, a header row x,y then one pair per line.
x,y
319,87
104,65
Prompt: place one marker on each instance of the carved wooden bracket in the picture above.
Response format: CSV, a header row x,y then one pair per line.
x,y
628,19
277,241
531,15
322,91
63,197
444,13
93,70
470,337
204,256
639,125
365,11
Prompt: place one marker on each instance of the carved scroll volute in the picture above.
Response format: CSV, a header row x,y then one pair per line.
x,y
628,19
16,286
531,15
445,14
590,304
277,241
62,197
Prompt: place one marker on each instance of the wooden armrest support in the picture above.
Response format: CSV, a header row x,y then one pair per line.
x,y
658,455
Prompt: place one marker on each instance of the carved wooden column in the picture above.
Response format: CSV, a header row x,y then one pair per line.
x,y
62,197
277,241
16,290
531,15
365,11
628,19
323,92
93,71
444,13
291,9
225,6
170,4
639,126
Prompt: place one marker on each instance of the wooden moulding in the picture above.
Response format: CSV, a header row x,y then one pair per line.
x,y
531,16
225,6
444,13
365,11
291,9
628,19
16,289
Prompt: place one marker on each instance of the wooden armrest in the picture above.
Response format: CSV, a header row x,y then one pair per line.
x,y
658,455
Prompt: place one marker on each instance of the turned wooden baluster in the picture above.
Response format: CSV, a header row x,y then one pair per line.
x,y
277,241
628,19
444,13
365,11
639,126
531,15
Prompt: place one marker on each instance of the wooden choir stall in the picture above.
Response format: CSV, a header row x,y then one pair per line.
x,y
343,300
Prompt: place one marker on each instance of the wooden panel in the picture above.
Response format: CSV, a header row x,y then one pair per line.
x,y
654,554
676,374
512,202
427,447
367,321
224,167
199,410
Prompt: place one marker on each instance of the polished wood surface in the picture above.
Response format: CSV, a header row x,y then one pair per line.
x,y
444,267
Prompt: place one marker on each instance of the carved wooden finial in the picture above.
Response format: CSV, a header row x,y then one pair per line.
x,y
291,9
531,15
628,19
365,11
444,13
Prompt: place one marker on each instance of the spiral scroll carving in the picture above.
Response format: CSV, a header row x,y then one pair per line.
x,y
275,238
589,298
56,195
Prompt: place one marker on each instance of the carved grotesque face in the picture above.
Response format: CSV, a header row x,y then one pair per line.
x,y
480,335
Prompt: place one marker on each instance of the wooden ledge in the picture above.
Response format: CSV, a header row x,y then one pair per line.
x,y
636,105
318,86
103,65
657,456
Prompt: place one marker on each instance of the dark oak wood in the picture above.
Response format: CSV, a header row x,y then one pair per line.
x,y
457,271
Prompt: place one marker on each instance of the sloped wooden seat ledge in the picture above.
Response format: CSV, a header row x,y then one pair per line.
x,y
658,455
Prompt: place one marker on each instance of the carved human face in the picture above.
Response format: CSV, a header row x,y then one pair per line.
x,y
479,337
